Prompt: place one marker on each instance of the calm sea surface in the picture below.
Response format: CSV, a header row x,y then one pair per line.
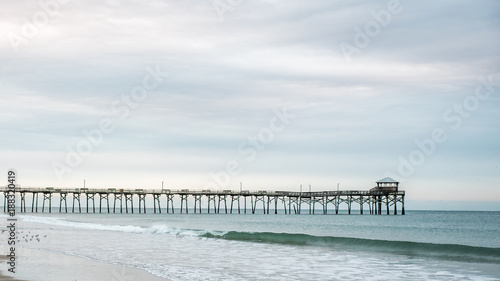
x,y
422,245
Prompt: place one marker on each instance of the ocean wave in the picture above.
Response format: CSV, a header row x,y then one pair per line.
x,y
453,252
415,249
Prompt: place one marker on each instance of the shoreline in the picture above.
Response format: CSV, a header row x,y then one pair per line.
x,y
43,265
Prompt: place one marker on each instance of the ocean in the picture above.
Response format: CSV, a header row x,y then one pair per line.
x,y
422,245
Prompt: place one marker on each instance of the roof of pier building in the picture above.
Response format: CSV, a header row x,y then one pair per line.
x,y
387,184
387,180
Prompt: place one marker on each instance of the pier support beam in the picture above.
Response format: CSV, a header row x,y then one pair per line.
x,y
5,195
116,197
270,199
90,196
156,200
47,196
184,200
235,198
293,201
76,196
245,204
211,198
378,206
62,198
101,197
170,203
23,202
197,203
403,205
33,201
255,199
129,197
387,203
142,198
221,198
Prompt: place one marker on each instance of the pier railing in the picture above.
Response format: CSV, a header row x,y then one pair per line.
x,y
201,192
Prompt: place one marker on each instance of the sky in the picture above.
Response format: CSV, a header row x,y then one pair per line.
x,y
270,95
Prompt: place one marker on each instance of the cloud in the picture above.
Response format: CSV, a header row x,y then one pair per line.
x,y
227,76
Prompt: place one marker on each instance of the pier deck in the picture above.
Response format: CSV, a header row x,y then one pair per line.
x,y
216,201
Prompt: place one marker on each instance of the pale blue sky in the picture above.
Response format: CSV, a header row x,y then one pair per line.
x,y
356,116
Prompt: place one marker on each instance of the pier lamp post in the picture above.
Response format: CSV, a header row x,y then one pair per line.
x,y
162,186
338,186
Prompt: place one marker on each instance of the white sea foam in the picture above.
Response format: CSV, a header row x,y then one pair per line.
x,y
83,225
153,229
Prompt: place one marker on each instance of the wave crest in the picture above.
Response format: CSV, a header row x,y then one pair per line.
x,y
440,251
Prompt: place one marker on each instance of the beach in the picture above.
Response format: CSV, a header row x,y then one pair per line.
x,y
37,265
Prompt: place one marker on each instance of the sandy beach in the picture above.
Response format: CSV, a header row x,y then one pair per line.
x,y
35,265
3,269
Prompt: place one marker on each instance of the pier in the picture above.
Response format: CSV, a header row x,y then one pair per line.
x,y
381,199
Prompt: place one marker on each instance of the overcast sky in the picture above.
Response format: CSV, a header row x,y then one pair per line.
x,y
273,94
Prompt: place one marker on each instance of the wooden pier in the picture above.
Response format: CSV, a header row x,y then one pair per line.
x,y
380,199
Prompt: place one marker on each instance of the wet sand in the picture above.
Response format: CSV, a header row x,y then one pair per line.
x,y
3,260
35,265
